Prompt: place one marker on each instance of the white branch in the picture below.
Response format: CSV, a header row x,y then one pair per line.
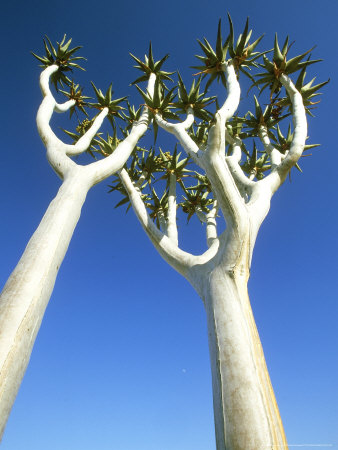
x,y
211,226
200,214
100,170
141,181
234,91
189,120
214,162
180,131
275,155
171,220
185,263
209,219
278,175
178,259
243,183
236,153
56,149
44,80
229,106
163,222
64,107
84,142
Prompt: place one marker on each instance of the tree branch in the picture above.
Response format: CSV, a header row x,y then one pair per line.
x,y
64,107
229,106
100,170
178,259
223,184
276,178
55,153
185,263
211,227
84,142
243,183
57,150
275,155
171,219
180,131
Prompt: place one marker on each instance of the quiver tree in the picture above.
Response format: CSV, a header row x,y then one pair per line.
x,y
224,174
28,289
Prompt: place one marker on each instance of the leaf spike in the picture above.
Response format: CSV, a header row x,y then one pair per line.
x,y
231,37
243,40
151,58
219,44
277,54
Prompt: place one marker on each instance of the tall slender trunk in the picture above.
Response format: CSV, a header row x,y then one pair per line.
x,y
246,412
26,294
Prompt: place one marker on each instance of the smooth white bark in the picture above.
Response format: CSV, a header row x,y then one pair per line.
x,y
171,219
211,224
26,294
246,412
275,155
277,176
180,131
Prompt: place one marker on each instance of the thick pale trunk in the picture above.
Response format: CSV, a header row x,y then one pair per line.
x,y
26,294
246,412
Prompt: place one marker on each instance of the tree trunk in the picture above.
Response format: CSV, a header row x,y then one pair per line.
x,y
26,294
245,409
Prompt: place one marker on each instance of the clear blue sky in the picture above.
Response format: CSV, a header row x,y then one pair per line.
x,y
121,361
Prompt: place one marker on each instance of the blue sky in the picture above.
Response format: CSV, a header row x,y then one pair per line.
x,y
121,361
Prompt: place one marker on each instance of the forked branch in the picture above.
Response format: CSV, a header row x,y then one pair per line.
x,y
180,131
177,258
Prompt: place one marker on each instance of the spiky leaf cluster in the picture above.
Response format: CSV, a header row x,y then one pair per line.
x,y
256,163
149,66
194,99
62,56
75,93
199,134
106,101
235,128
280,65
283,143
195,200
107,146
162,102
148,166
242,54
308,91
149,163
131,116
269,118
171,164
213,60
157,206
